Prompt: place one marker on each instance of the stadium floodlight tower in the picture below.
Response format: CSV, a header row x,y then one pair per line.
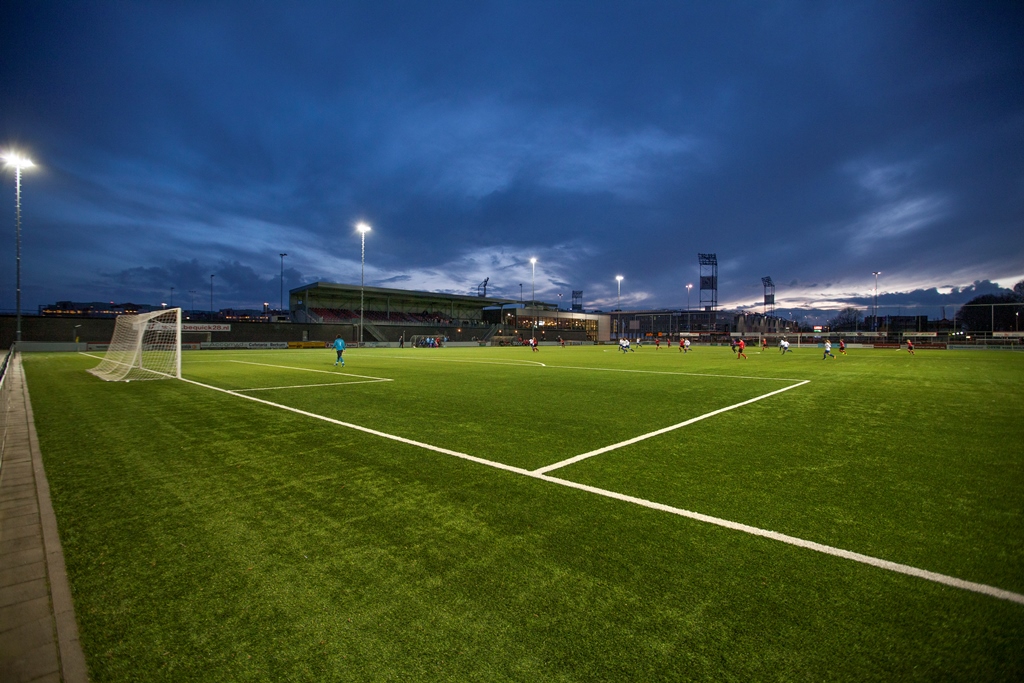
x,y
708,281
363,228
769,295
17,162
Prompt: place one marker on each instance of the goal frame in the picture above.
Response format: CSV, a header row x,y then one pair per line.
x,y
126,359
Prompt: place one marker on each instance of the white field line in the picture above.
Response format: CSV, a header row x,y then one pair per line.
x,y
292,367
664,430
529,363
367,430
326,384
943,579
670,372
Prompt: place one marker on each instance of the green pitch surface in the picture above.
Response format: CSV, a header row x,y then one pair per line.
x,y
574,514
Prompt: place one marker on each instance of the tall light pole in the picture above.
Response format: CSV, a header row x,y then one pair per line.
x,y
211,295
363,228
282,281
876,273
18,162
172,297
533,293
688,288
618,306
193,293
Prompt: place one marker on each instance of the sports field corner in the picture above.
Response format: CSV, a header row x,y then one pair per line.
x,y
573,514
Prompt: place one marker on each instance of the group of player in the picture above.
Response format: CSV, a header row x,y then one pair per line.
x,y
626,346
739,347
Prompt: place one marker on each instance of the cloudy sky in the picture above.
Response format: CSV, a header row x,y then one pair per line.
x,y
813,142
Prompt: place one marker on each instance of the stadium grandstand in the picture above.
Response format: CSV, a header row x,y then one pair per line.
x,y
391,314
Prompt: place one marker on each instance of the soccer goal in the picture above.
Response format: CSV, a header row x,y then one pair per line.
x,y
144,346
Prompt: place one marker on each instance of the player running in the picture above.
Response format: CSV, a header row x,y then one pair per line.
x,y
339,346
842,347
828,350
740,346
910,346
686,346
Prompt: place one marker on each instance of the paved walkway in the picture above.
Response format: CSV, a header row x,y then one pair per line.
x,y
38,634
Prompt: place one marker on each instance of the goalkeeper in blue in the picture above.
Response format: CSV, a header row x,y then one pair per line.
x,y
339,346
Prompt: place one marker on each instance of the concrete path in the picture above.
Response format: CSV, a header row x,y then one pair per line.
x,y
38,633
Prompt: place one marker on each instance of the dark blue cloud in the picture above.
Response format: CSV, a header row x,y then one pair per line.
x,y
814,142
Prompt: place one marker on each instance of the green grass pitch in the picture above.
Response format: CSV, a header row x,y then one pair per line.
x,y
209,537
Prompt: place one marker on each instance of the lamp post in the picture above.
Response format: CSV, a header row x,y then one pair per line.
x,y
172,297
363,228
876,273
211,295
688,288
618,306
533,294
282,280
193,293
18,162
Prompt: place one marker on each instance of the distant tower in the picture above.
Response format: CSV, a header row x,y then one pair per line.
x,y
769,295
577,299
708,281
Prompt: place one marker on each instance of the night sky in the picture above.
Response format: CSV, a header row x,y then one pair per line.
x,y
813,142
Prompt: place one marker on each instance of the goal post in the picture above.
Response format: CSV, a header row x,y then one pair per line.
x,y
144,346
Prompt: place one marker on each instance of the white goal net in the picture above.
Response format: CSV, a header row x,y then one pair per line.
x,y
144,346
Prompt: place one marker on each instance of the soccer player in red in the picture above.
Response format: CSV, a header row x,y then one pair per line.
x,y
910,346
740,345
764,343
842,347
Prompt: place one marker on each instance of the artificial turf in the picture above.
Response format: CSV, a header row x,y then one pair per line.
x,y
212,538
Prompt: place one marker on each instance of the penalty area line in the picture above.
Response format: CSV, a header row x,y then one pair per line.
x,y
325,384
878,563
659,432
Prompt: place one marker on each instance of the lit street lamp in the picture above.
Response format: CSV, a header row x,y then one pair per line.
x,y
18,162
363,228
282,280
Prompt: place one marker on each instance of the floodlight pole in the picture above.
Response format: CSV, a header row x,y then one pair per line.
x,y
282,281
533,294
876,273
211,295
688,288
172,297
618,306
18,162
193,293
363,228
